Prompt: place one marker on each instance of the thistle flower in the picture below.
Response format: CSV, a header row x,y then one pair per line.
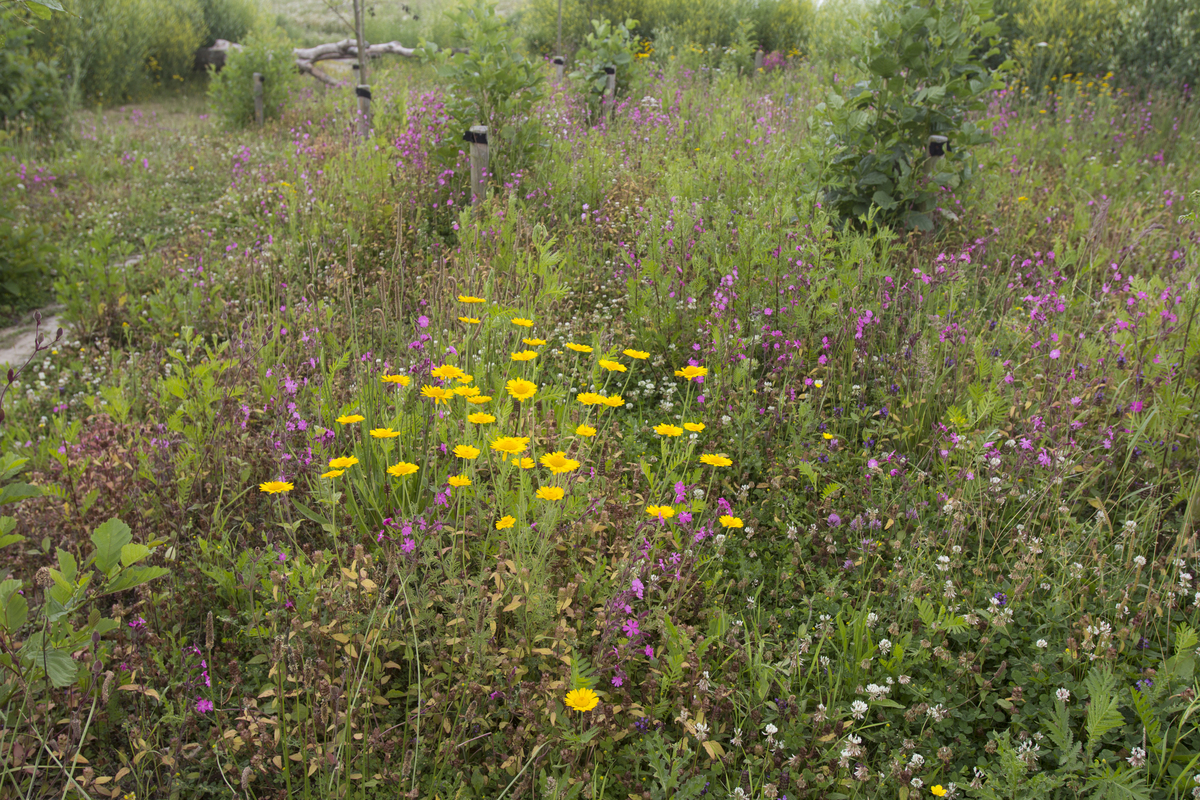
x,y
550,493
275,487
579,348
466,451
581,699
691,372
504,522
350,419
558,463
510,445
384,433
402,469
403,380
638,354
715,460
342,463
612,366
666,429
522,389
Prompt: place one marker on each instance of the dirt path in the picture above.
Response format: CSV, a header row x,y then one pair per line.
x,y
17,342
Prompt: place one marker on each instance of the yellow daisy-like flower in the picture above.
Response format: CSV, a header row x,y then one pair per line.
x,y
662,512
333,473
343,462
480,418
524,463
585,430
533,342
466,391
447,372
638,354
465,379
437,394
550,493
614,401
469,320
590,398
728,521
694,427
524,323
522,389
479,399
691,372
525,355
579,348
612,366
350,419
715,460
403,380
458,481
581,699
466,451
558,463
826,436
384,433
506,521
402,469
466,298
937,790
510,445
667,429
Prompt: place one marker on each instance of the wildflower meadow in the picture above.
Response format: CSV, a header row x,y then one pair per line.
x,y
820,426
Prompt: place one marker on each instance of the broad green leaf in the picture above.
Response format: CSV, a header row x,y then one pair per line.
x,y
133,553
109,538
134,576
16,492
59,666
14,613
67,565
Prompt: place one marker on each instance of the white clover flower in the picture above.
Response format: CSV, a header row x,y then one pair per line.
x,y
858,709
1063,694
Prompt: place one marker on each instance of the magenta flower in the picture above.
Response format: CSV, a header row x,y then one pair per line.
x,y
203,706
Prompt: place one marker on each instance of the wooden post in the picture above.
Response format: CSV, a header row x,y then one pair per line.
x,y
758,62
258,99
938,145
610,89
477,136
364,109
360,41
559,66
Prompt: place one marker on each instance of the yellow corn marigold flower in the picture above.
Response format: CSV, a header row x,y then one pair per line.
x,y
550,493
507,521
612,366
479,399
437,394
524,463
694,427
614,401
662,512
691,372
469,320
579,348
522,389
465,379
466,298
480,418
403,380
715,460
638,354
525,355
350,419
447,372
585,430
533,342
384,433
333,473
343,462
524,323
465,391
728,521
458,481
466,451
510,446
402,469
667,429
590,398
581,699
558,463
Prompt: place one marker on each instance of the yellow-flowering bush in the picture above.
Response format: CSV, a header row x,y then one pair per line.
x,y
1065,36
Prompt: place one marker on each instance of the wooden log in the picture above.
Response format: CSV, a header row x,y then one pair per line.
x,y
478,139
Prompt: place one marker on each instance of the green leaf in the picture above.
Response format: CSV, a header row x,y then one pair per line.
x,y
134,576
109,538
883,200
67,565
59,666
133,553
16,492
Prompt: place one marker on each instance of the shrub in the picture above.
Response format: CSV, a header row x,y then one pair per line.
x,y
103,47
609,46
1065,36
24,249
231,91
30,90
924,74
178,30
226,19
1160,43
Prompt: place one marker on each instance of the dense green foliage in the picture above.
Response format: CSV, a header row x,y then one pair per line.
x,y
609,45
231,90
31,95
